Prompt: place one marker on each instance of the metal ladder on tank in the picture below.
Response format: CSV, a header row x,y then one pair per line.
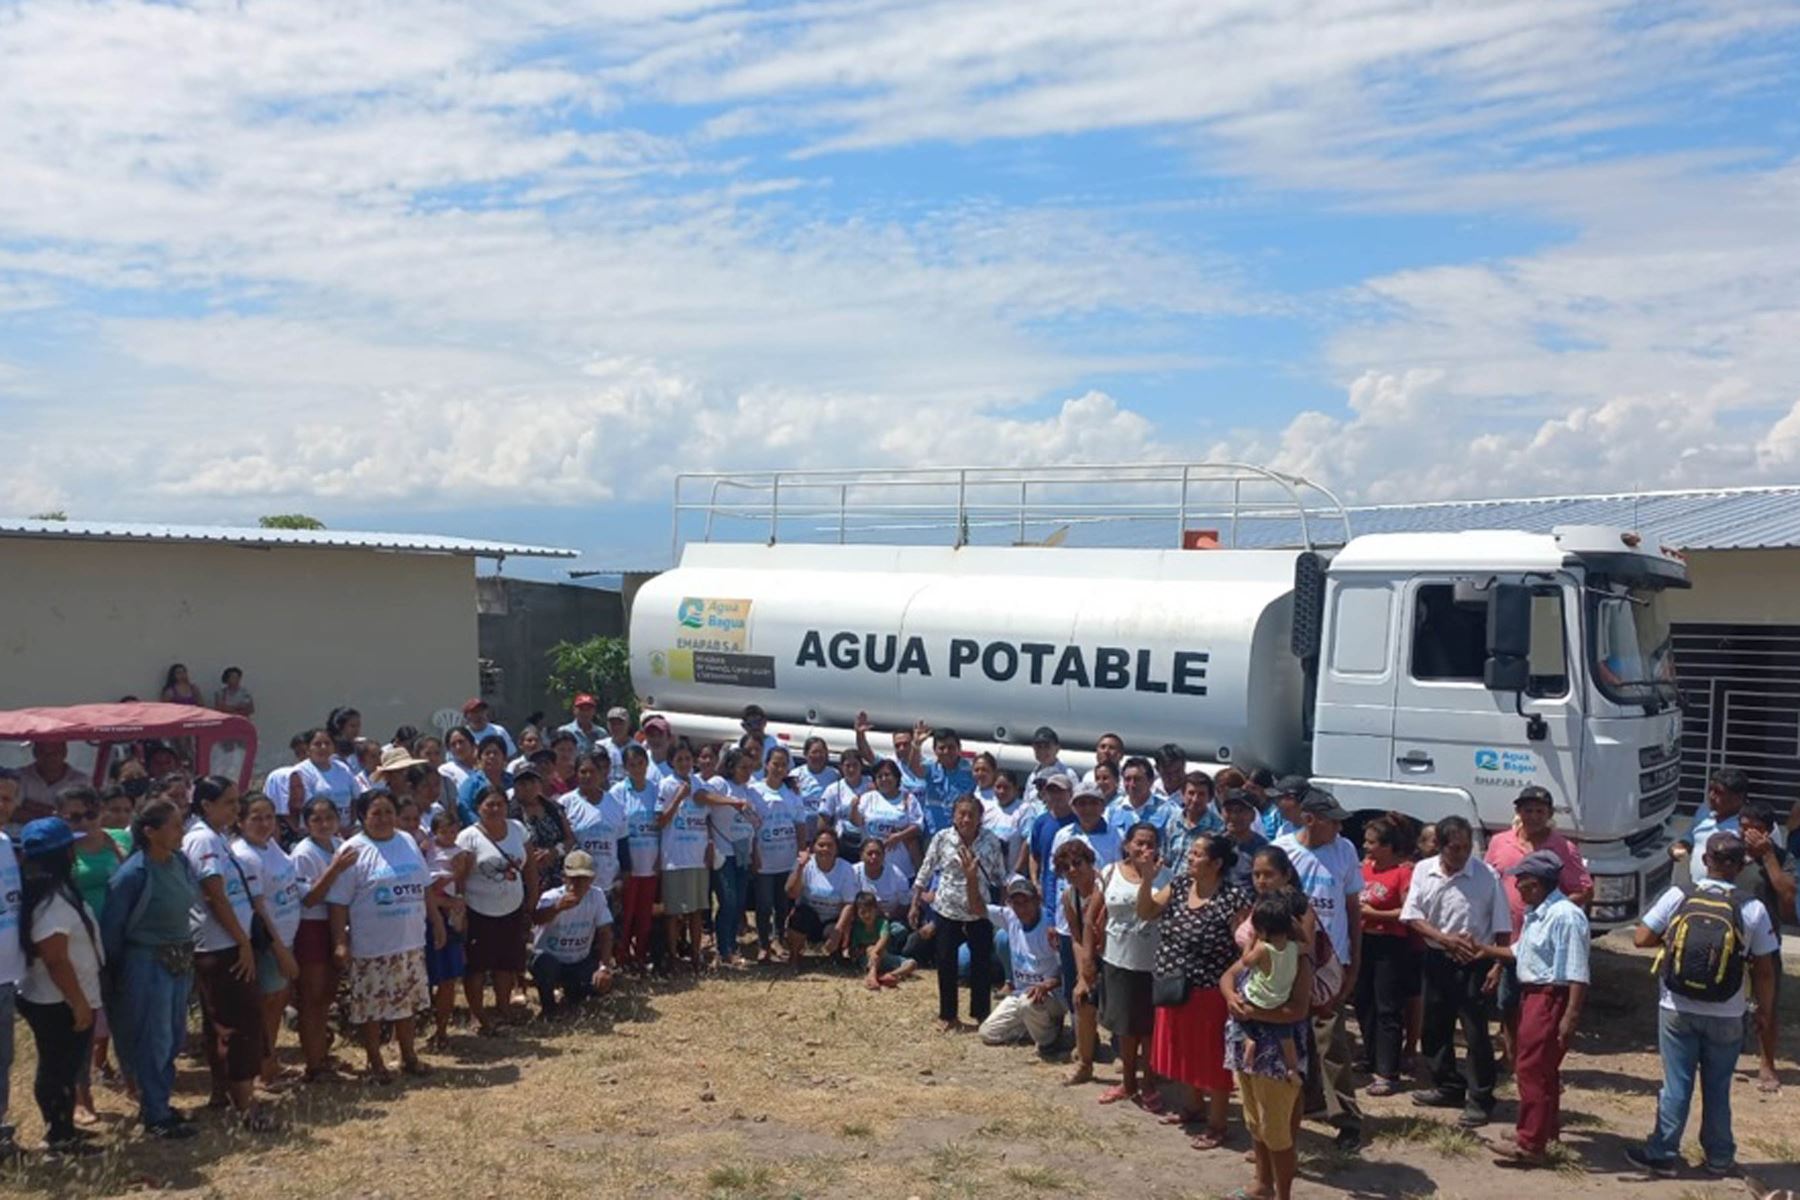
x,y
1226,505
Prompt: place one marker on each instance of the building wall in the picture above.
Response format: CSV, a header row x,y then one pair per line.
x,y
520,621
1748,586
391,634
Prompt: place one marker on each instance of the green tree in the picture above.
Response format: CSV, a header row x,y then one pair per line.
x,y
55,514
290,521
600,666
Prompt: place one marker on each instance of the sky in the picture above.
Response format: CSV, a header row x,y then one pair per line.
x,y
502,269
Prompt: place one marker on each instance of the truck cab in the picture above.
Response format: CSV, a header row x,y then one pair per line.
x,y
1455,669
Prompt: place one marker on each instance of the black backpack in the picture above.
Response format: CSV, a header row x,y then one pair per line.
x,y
1703,952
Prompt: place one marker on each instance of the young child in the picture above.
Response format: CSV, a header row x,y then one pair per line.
x,y
870,934
445,911
1274,962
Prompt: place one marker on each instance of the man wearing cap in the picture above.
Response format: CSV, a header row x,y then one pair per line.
x,y
1282,817
1550,955
475,717
1046,747
573,946
658,737
585,731
618,737
1533,831
1456,904
1055,787
1035,1008
1704,1037
1330,874
1245,832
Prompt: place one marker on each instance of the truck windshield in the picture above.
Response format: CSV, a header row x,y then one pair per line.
x,y
1632,662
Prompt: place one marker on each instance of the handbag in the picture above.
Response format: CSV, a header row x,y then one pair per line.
x,y
1169,991
261,937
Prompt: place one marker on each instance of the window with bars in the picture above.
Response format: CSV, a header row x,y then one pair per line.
x,y
1740,687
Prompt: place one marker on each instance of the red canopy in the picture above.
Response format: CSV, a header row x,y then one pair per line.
x,y
107,724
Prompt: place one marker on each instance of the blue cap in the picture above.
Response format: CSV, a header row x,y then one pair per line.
x,y
46,835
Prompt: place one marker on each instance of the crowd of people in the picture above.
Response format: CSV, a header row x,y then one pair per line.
x,y
1218,928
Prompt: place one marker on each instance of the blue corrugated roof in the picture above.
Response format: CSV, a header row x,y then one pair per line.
x,y
1715,519
333,539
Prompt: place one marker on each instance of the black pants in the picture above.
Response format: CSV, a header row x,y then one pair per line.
x,y
1452,996
950,937
1389,977
60,1052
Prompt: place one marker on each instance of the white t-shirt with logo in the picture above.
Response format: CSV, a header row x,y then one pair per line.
x,y
783,817
826,893
385,893
729,826
892,891
810,787
335,781
598,829
882,818
56,915
643,839
12,954
569,936
1034,959
211,858
311,861
835,801
272,876
496,883
686,836
1328,876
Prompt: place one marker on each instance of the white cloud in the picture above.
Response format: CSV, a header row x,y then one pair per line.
x,y
431,251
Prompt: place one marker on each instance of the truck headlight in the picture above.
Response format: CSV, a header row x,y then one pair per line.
x,y
1615,889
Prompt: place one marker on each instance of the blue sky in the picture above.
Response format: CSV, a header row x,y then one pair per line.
x,y
502,269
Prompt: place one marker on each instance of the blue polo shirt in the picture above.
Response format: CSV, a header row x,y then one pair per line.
x,y
941,791
1553,943
1705,824
1042,836
1121,816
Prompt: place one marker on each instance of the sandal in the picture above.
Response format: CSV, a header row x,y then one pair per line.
x,y
1207,1140
1080,1075
1177,1117
258,1120
1114,1094
1150,1100
416,1069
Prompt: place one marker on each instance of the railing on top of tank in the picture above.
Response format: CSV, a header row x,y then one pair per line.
x,y
1111,504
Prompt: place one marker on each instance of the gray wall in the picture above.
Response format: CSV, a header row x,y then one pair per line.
x,y
519,621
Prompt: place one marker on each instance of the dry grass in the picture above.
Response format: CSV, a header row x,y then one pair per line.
x,y
817,1088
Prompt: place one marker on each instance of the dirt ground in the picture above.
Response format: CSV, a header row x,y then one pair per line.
x,y
762,1085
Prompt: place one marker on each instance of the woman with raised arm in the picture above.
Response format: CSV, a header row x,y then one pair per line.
x,y
1127,959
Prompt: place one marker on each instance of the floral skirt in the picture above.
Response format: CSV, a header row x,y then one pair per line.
x,y
392,987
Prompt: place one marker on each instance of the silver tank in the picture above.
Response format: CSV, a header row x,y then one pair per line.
x,y
1184,646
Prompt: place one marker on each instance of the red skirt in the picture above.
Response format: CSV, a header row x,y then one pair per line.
x,y
1189,1043
312,944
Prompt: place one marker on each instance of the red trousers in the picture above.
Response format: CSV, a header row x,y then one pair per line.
x,y
638,905
1539,1058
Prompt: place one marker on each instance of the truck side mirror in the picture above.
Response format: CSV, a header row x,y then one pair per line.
x,y
1508,666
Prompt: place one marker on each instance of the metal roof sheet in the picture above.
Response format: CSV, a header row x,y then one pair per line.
x,y
330,539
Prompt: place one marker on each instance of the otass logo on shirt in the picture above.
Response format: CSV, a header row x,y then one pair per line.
x,y
398,893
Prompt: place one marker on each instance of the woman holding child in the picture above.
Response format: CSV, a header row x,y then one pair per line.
x,y
1199,911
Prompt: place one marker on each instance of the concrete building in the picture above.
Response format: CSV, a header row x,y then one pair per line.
x,y
521,620
93,611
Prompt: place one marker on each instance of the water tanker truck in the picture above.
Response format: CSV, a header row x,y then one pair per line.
x,y
1433,673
